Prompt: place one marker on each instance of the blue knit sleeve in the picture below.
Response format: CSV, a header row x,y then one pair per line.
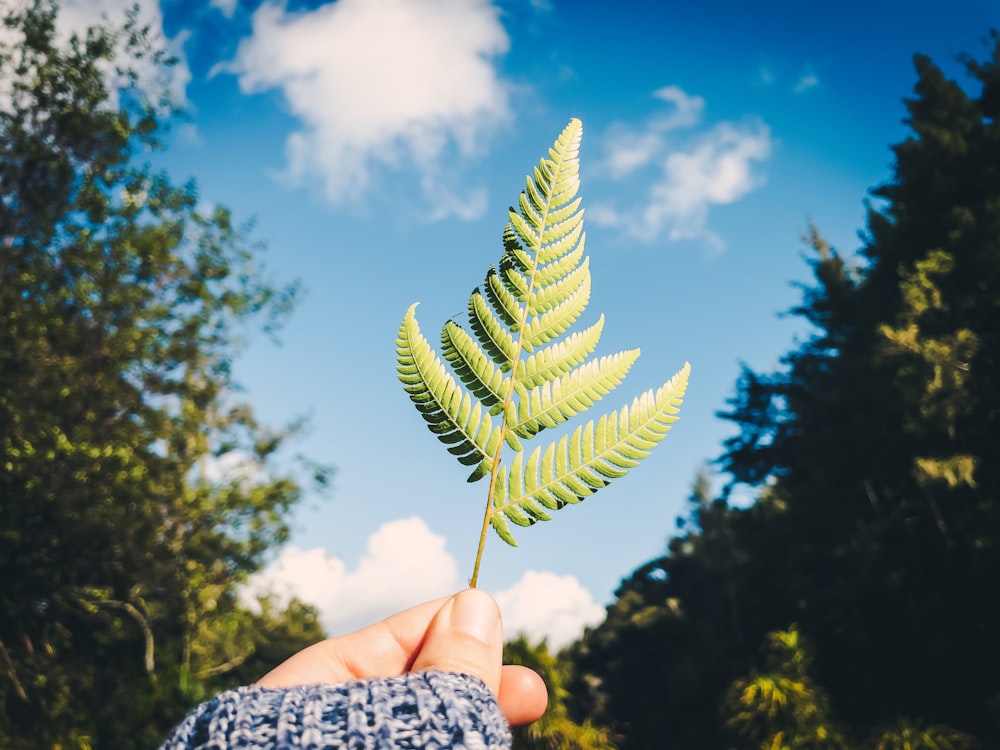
x,y
427,710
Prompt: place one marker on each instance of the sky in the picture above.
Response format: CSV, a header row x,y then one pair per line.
x,y
375,145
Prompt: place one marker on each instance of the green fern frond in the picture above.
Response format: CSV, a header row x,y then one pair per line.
x,y
553,402
450,414
494,337
560,357
591,456
472,365
516,377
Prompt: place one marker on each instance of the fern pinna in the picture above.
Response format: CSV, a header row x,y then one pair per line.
x,y
520,377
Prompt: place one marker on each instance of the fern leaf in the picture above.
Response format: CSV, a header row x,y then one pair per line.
x,y
502,299
565,263
553,402
491,332
560,357
472,365
545,327
518,369
580,464
448,410
545,297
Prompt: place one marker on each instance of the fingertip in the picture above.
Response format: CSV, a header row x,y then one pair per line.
x,y
466,636
522,696
477,614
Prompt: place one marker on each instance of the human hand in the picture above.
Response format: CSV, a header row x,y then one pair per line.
x,y
462,633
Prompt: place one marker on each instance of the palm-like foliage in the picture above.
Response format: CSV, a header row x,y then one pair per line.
x,y
910,735
783,708
517,374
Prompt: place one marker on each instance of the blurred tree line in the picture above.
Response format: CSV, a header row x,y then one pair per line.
x,y
136,491
851,606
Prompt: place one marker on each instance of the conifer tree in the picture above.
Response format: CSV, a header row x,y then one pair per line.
x,y
873,456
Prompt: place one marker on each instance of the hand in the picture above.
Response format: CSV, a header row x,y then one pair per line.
x,y
459,634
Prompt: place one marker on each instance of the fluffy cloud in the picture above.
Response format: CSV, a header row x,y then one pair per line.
x,y
716,170
226,7
695,170
404,564
544,605
627,149
379,84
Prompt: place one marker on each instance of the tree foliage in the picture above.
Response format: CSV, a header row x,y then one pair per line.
x,y
781,706
122,304
556,730
873,457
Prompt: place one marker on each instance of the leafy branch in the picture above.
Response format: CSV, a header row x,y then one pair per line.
x,y
511,375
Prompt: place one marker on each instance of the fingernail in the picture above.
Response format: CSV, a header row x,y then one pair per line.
x,y
474,612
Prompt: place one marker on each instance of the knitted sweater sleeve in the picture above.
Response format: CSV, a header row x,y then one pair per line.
x,y
427,710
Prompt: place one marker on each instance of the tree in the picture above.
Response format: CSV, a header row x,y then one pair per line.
x,y
873,456
656,669
881,437
782,708
556,730
908,735
121,308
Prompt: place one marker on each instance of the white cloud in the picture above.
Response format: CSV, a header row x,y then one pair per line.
x,y
716,170
379,84
631,150
545,605
628,150
227,7
468,206
696,170
404,563
687,109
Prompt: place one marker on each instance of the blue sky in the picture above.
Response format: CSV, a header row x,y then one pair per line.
x,y
376,144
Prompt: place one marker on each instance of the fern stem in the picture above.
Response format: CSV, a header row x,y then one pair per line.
x,y
508,398
495,468
482,538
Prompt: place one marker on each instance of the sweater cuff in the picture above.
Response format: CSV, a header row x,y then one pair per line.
x,y
416,710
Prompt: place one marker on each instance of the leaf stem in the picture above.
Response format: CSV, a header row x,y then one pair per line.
x,y
482,537
504,428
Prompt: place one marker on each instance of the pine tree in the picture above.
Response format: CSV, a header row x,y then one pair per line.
x,y
873,456
879,437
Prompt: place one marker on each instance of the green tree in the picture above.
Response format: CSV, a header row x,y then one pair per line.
x,y
781,707
122,304
556,730
879,437
873,457
656,669
909,735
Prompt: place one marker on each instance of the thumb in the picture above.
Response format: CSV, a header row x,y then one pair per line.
x,y
465,636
